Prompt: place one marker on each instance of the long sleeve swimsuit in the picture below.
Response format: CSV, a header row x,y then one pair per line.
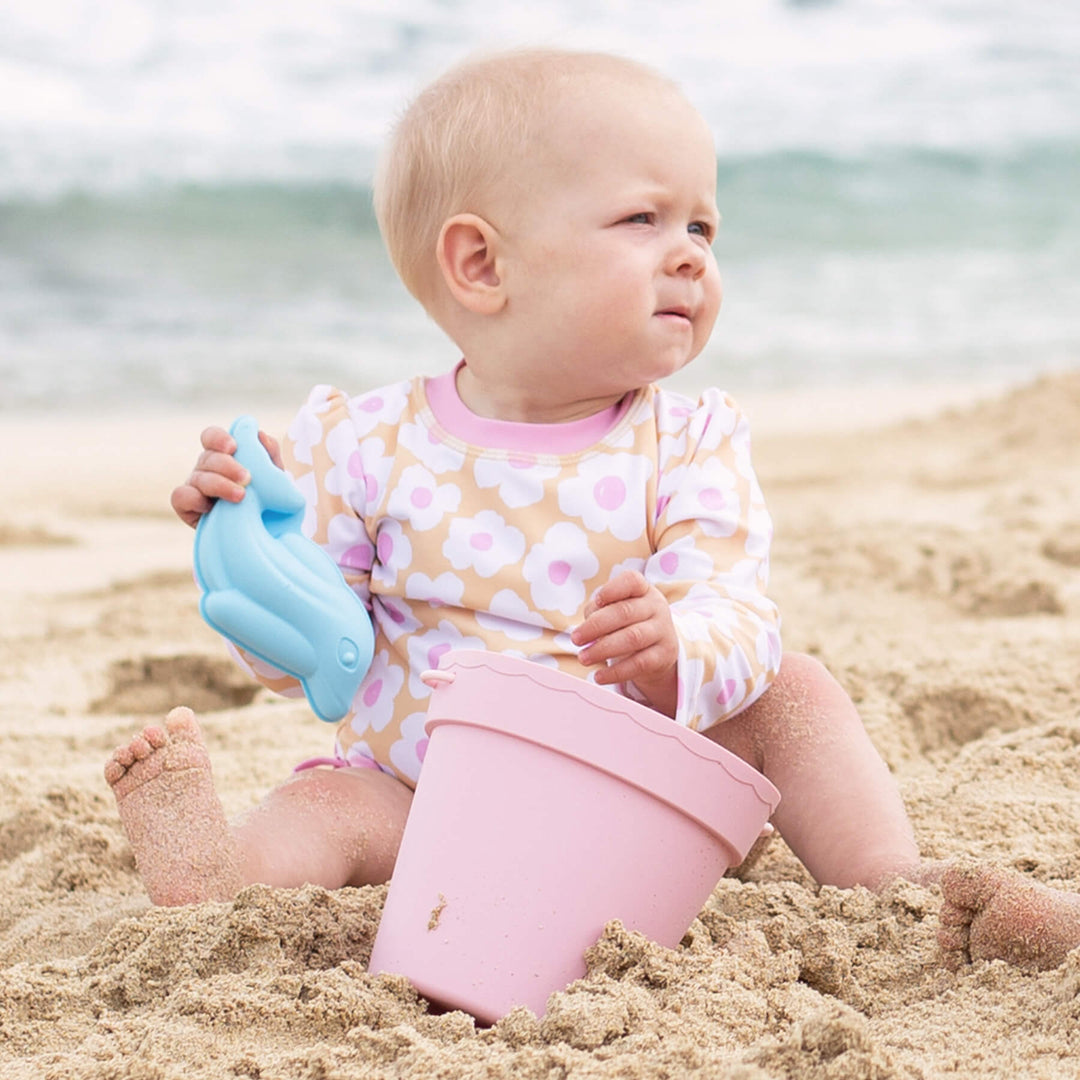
x,y
461,532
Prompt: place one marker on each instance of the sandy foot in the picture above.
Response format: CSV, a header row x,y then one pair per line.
x,y
990,913
171,814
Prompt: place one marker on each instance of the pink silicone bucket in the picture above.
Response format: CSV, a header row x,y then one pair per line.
x,y
547,807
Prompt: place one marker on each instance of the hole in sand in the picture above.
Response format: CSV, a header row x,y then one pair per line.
x,y
951,716
154,684
1009,599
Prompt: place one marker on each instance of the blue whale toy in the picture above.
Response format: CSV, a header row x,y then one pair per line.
x,y
276,593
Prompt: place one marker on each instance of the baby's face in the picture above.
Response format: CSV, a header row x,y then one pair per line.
x,y
608,265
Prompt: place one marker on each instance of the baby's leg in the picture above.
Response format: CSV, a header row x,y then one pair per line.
x,y
991,913
840,811
327,828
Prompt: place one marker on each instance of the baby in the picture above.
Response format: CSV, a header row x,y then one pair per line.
x,y
554,213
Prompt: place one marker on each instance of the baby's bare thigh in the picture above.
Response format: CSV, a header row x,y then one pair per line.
x,y
347,816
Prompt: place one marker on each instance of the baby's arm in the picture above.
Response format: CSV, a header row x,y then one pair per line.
x,y
217,475
711,562
702,592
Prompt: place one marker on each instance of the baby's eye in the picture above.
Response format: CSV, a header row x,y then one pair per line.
x,y
641,218
701,228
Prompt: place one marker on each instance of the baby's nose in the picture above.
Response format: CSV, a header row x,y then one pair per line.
x,y
689,257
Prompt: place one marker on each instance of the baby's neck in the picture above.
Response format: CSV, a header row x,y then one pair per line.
x,y
526,405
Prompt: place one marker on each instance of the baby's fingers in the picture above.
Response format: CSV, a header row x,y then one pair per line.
x,y
641,667
218,439
190,504
219,476
272,448
624,641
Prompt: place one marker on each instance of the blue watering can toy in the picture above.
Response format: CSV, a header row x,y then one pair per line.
x,y
274,592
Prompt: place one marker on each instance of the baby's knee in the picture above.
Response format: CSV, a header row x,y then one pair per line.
x,y
804,682
798,671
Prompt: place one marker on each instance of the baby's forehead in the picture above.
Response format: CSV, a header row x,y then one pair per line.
x,y
577,121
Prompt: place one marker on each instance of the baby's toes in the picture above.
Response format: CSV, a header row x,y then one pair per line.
x,y
123,756
182,724
154,736
115,769
953,940
141,747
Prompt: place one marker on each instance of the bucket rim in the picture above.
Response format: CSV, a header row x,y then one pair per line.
x,y
755,785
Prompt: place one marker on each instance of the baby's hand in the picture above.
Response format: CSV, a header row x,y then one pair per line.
x,y
628,628
217,475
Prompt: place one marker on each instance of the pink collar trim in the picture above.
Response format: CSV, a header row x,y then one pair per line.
x,y
454,416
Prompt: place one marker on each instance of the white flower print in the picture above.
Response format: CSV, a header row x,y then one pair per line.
x,y
746,576
635,563
707,494
393,552
558,567
383,406
705,613
520,477
691,674
378,407
426,446
373,705
671,448
348,545
714,422
306,430
767,648
484,543
394,617
724,692
720,697
759,531
308,486
407,753
375,465
672,412
425,651
341,441
740,443
360,471
693,625
680,561
447,588
421,500
608,494
511,616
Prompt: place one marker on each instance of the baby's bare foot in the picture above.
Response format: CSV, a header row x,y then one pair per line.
x,y
991,913
184,849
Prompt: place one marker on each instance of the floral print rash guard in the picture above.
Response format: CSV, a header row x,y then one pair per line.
x,y
460,532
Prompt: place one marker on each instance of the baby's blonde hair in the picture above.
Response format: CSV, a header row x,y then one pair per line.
x,y
456,140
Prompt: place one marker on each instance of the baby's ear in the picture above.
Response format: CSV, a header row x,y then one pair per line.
x,y
468,256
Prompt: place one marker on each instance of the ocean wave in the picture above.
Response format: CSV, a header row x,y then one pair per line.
x,y
900,197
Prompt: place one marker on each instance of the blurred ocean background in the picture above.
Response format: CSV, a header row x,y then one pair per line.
x,y
185,188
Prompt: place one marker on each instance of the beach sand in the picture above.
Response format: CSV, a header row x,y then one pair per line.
x,y
933,563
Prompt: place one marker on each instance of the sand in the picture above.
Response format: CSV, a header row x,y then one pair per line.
x,y
933,563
